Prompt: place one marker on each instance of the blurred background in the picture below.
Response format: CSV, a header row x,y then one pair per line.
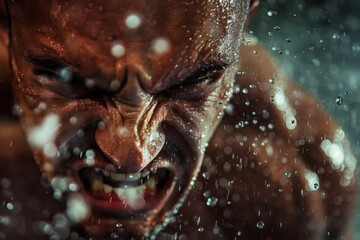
x,y
317,43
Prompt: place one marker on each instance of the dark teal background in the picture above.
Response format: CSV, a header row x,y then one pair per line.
x,y
318,45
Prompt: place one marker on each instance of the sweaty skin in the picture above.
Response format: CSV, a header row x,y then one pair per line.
x,y
275,167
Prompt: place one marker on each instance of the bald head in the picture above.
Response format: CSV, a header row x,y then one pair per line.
x,y
136,86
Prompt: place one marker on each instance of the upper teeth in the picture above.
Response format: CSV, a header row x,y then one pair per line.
x,y
124,177
99,185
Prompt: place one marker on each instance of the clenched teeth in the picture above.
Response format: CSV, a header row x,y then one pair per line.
x,y
98,186
132,177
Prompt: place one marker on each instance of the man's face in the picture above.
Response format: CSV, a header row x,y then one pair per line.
x,y
119,100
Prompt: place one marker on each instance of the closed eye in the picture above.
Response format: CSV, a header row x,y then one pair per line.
x,y
195,89
196,81
200,78
64,75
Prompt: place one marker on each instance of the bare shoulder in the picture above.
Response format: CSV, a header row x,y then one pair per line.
x,y
282,162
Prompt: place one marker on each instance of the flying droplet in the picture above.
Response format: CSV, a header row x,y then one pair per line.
x,y
133,21
206,175
160,45
211,202
271,80
260,225
339,100
118,50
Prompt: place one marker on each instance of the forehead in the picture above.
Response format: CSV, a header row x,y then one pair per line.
x,y
195,30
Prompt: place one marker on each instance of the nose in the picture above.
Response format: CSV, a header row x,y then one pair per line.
x,y
129,150
130,134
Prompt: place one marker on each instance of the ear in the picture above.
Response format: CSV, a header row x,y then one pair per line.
x,y
4,27
254,4
5,89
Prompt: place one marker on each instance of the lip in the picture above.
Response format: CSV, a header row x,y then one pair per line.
x,y
128,195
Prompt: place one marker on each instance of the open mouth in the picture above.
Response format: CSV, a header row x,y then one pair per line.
x,y
125,194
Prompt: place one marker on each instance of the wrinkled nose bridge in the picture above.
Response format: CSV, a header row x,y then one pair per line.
x,y
128,136
134,79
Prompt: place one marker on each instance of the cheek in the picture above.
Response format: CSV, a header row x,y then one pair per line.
x,y
197,120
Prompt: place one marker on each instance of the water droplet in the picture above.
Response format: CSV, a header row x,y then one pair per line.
x,y
211,202
160,45
323,195
89,83
239,233
117,50
10,206
339,100
65,74
115,85
114,236
133,21
288,174
260,225
200,229
206,175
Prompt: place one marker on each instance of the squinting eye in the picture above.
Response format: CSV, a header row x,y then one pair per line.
x,y
66,83
62,75
196,88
